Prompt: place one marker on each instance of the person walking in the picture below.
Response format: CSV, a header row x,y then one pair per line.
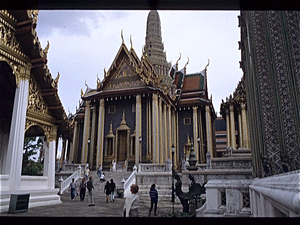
x,y
102,178
107,191
114,166
87,173
112,189
131,206
90,187
99,171
72,187
154,199
82,188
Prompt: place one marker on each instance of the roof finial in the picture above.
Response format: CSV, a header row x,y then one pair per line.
x,y
207,64
131,42
178,59
122,37
105,73
187,63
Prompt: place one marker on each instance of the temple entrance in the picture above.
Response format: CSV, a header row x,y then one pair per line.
x,y
121,146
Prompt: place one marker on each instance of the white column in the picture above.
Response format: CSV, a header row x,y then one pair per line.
x,y
100,137
165,133
13,162
74,146
244,126
208,130
240,129
195,132
169,133
155,128
232,127
138,129
86,132
50,161
92,146
161,153
228,128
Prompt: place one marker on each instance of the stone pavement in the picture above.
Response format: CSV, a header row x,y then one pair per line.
x,y
77,208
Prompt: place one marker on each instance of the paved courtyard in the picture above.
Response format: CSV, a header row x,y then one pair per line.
x,y
77,208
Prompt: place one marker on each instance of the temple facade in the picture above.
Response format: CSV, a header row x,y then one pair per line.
x,y
234,112
270,61
30,107
143,107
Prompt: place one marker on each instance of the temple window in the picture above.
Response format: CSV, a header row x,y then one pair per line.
x,y
187,121
112,109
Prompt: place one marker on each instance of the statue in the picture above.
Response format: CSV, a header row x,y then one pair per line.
x,y
184,197
194,191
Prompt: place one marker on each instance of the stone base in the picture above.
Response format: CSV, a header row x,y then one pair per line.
x,y
37,198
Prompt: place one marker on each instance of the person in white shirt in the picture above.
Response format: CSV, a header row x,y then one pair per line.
x,y
131,206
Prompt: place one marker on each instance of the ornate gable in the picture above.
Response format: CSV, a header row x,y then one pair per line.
x,y
125,76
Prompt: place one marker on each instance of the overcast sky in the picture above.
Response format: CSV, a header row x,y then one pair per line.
x,y
83,43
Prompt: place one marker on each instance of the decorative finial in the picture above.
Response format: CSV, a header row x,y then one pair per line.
x,y
81,94
187,63
86,84
207,64
131,41
179,58
122,37
45,51
105,73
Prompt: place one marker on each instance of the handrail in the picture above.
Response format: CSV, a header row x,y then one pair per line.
x,y
64,184
131,180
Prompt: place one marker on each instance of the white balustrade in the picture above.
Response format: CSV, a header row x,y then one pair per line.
x,y
276,196
64,185
131,180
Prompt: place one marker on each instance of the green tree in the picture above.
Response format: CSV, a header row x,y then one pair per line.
x,y
29,166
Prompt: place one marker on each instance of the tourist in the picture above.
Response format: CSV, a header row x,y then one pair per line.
x,y
112,189
114,166
107,191
87,173
82,188
90,187
102,177
154,198
72,187
99,171
131,206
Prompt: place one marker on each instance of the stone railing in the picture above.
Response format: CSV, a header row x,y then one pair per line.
x,y
64,184
227,198
147,167
231,162
131,180
276,196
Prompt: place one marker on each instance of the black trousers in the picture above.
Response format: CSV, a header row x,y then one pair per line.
x,y
82,193
155,207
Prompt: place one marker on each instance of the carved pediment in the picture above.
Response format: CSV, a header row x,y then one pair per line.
x,y
124,77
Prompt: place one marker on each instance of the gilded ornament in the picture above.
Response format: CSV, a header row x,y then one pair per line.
x,y
131,41
122,37
45,51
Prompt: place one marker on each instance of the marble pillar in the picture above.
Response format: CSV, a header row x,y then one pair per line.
x,y
100,137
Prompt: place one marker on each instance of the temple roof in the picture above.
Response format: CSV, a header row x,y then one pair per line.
x,y
26,22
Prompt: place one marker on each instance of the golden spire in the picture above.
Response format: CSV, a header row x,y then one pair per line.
x,y
122,37
81,94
